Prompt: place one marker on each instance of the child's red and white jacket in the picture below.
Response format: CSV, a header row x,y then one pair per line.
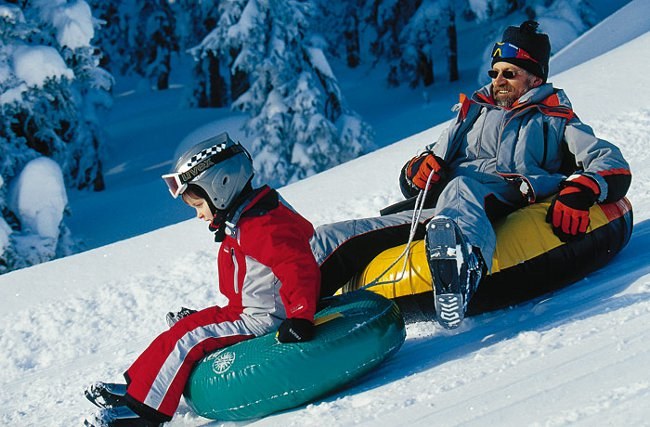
x,y
266,266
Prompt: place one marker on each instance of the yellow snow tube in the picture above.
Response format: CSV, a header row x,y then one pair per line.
x,y
529,259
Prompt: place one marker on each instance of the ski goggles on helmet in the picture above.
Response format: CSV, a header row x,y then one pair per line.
x,y
177,182
508,51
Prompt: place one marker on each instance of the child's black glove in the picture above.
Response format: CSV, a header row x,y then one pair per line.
x,y
295,330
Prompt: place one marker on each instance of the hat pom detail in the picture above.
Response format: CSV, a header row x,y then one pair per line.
x,y
529,27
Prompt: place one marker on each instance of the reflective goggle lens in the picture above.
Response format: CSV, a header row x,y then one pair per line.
x,y
173,181
509,50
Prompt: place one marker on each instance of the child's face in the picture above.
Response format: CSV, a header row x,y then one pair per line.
x,y
200,205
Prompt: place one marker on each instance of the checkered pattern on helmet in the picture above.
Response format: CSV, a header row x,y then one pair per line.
x,y
204,154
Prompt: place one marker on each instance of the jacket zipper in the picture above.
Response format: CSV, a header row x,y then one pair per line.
x,y
545,129
531,197
480,141
236,274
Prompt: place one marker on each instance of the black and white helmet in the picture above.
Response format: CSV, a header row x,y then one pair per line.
x,y
219,166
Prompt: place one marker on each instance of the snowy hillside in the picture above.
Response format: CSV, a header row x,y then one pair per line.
x,y
577,357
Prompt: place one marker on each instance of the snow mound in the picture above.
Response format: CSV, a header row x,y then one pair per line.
x,y
73,22
35,64
38,198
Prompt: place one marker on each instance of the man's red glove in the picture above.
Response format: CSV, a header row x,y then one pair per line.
x,y
416,172
569,211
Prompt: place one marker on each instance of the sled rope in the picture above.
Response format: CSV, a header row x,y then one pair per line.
x,y
415,220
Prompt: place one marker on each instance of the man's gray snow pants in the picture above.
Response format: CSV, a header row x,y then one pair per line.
x,y
344,248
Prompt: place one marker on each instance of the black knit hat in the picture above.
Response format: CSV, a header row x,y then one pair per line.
x,y
536,46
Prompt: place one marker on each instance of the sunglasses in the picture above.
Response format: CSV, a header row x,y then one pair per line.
x,y
507,74
509,50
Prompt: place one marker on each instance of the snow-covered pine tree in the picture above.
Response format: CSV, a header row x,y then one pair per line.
x,y
482,10
299,121
452,38
50,89
410,34
112,38
194,20
340,23
422,41
137,37
62,116
211,85
140,36
388,18
154,41
579,14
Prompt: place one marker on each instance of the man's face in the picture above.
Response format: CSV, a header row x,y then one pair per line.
x,y
506,91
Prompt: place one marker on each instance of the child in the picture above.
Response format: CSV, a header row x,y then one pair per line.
x,y
266,270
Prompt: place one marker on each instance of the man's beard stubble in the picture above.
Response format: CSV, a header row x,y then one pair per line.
x,y
508,99
504,100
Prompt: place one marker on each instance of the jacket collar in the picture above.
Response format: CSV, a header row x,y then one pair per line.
x,y
545,94
256,203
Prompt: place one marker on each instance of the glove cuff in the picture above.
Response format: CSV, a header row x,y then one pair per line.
x,y
583,182
409,171
405,184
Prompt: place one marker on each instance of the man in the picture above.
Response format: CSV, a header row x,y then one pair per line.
x,y
516,141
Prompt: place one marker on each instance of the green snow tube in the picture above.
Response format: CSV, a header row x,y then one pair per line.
x,y
254,378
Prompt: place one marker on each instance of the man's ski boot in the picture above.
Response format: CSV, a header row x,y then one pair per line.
x,y
106,395
119,416
456,269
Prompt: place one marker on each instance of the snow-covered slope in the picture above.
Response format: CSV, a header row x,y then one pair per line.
x,y
577,357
